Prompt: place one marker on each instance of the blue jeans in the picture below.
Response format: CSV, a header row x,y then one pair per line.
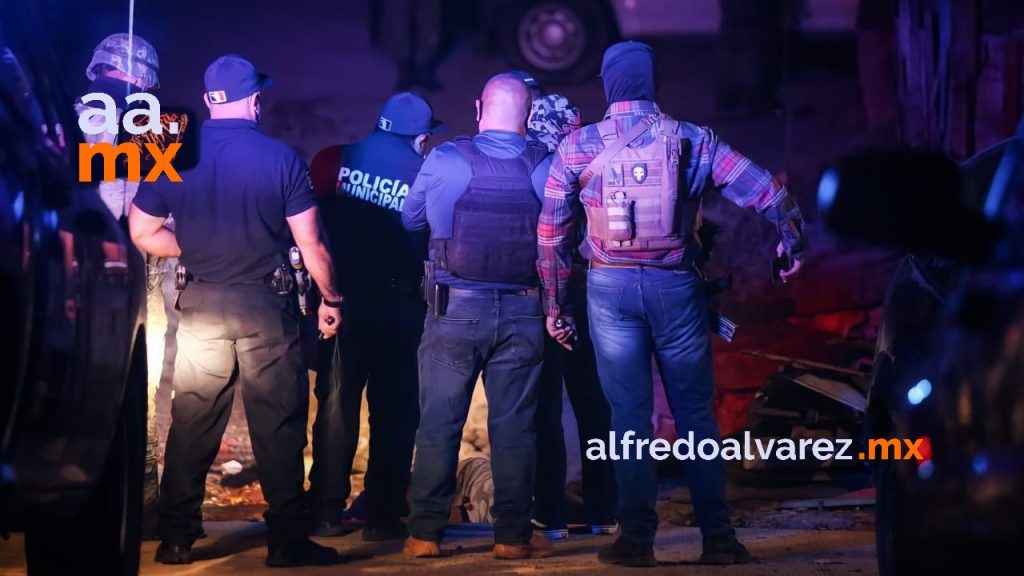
x,y
636,313
502,336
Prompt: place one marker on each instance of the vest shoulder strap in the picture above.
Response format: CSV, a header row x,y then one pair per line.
x,y
612,148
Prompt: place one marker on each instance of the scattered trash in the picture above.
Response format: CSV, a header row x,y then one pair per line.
x,y
231,467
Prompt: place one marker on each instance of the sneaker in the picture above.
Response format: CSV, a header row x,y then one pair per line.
x,y
724,549
300,553
558,534
599,529
549,532
624,552
167,553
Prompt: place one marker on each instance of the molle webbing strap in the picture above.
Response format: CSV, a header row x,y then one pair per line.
x,y
610,150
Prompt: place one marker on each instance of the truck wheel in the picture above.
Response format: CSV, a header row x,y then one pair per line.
x,y
559,41
104,537
894,548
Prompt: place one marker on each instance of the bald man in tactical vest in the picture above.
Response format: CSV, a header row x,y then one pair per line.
x,y
480,198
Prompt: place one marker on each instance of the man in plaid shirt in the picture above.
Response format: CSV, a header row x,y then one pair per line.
x,y
651,302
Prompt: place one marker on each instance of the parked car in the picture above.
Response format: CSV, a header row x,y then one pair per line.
x,y
563,40
949,363
72,305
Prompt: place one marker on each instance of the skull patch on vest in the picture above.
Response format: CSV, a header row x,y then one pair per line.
x,y
639,173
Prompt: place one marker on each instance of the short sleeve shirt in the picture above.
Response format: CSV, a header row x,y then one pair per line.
x,y
230,210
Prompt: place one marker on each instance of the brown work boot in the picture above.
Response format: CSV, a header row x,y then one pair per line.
x,y
539,547
416,548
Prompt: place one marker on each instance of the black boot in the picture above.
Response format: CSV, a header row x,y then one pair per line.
x,y
625,552
331,529
724,549
288,544
384,532
168,553
302,552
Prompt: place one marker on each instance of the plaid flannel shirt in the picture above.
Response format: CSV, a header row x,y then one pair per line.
x,y
560,225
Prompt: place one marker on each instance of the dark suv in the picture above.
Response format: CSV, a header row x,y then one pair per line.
x,y
949,366
72,306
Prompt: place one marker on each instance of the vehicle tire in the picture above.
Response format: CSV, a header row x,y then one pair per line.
x,y
558,41
104,537
894,549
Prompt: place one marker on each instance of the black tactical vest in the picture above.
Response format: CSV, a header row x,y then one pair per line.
x,y
494,227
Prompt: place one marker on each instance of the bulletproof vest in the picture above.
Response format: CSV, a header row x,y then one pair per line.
x,y
641,209
494,225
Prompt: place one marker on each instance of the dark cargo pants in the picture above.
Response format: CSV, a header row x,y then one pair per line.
x,y
376,350
249,336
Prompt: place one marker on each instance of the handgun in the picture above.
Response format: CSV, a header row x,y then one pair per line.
x,y
301,278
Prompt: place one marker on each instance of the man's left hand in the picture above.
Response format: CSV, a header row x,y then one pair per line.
x,y
564,333
330,321
793,270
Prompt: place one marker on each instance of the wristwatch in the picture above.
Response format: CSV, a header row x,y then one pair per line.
x,y
333,303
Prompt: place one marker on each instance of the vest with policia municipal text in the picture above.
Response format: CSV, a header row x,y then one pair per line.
x,y
640,181
494,226
370,247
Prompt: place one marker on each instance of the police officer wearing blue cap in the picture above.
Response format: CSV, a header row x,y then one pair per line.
x,y
380,265
237,212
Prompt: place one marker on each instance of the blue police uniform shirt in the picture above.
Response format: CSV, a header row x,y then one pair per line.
x,y
443,179
370,248
230,209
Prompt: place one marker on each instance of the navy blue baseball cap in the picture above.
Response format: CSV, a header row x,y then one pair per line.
x,y
231,78
535,90
407,114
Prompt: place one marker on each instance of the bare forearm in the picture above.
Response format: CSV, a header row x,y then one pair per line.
x,y
162,243
321,268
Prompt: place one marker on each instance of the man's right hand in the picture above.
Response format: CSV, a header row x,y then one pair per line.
x,y
564,334
330,321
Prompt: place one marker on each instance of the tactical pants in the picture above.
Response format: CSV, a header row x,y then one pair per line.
x,y
634,313
578,370
375,350
502,336
242,335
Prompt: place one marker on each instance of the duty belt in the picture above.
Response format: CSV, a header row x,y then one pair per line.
x,y
279,279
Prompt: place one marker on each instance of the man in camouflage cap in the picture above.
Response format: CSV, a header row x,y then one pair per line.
x,y
122,65
128,58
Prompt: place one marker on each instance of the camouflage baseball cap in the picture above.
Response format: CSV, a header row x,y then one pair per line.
x,y
113,51
553,118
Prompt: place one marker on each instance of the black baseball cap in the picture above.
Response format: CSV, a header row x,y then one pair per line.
x,y
535,90
231,78
407,114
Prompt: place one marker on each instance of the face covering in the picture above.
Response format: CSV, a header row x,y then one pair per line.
x,y
116,89
628,72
